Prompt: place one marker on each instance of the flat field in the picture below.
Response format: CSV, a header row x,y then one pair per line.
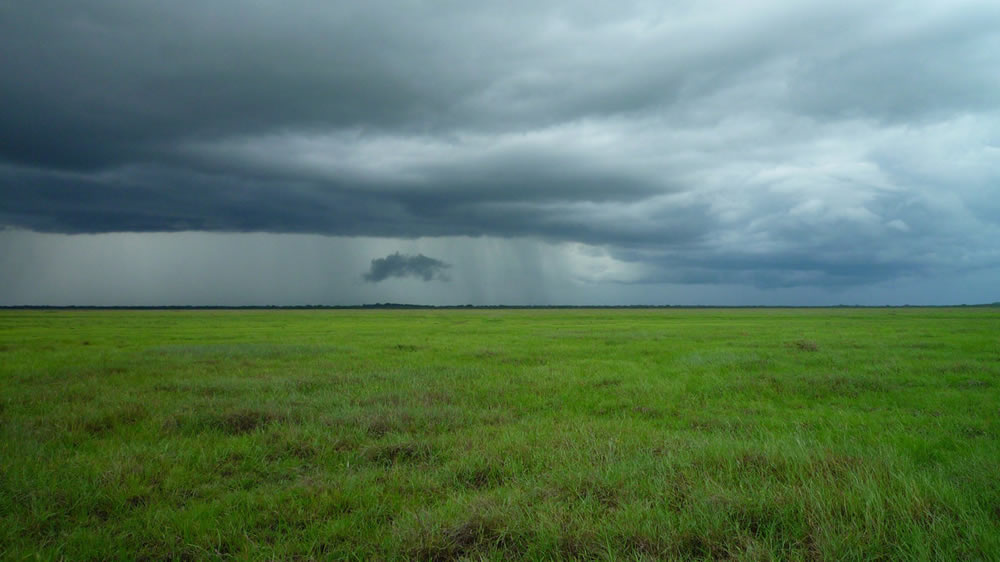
x,y
531,434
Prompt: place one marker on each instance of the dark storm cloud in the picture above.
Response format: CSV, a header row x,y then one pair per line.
x,y
770,142
398,265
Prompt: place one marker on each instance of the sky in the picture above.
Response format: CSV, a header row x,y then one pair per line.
x,y
784,152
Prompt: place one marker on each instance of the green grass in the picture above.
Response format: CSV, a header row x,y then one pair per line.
x,y
619,434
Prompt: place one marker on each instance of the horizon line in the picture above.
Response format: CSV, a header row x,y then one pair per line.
x,y
390,305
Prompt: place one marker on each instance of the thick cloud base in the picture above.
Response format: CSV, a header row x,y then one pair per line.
x,y
770,144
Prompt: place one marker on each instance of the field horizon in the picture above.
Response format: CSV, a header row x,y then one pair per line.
x,y
446,433
417,306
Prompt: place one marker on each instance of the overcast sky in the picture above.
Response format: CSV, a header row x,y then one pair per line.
x,y
542,152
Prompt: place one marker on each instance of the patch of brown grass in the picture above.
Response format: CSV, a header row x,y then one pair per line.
x,y
805,345
482,477
605,383
245,421
233,422
105,422
396,453
470,538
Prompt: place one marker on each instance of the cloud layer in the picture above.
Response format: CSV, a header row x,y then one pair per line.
x,y
770,143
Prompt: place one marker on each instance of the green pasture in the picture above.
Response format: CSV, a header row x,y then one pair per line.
x,y
789,434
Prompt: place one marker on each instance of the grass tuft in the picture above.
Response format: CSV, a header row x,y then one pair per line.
x,y
119,417
391,454
243,421
472,537
805,345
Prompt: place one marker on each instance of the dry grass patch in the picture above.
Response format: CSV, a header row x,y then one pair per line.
x,y
399,453
805,345
121,416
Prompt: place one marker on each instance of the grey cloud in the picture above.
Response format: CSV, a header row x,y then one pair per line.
x,y
772,143
398,265
106,83
906,66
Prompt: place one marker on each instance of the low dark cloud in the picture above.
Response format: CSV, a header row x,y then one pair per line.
x,y
774,143
399,265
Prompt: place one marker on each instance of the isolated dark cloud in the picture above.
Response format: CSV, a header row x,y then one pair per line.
x,y
773,143
398,265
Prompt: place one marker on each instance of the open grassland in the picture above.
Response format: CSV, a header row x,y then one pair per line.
x,y
622,434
